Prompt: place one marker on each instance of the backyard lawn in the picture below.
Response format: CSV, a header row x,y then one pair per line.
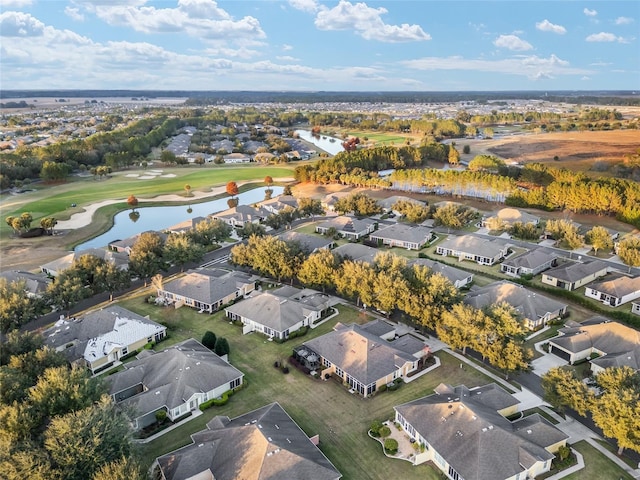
x,y
319,407
596,466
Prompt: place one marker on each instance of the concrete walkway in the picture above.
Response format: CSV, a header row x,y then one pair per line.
x,y
568,471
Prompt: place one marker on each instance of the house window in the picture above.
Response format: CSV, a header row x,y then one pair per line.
x,y
339,372
234,383
326,362
371,388
439,460
454,475
124,351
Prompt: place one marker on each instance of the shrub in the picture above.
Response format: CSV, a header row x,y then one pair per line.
x,y
384,431
222,347
161,416
209,340
375,428
285,369
391,446
563,453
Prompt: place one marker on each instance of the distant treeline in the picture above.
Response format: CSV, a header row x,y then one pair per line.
x,y
621,97
21,104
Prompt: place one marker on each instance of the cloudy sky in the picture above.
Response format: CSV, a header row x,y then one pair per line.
x,y
444,45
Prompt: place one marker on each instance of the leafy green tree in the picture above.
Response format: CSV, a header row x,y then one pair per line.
x,y
629,251
209,339
16,306
309,207
453,216
563,389
251,229
145,259
286,190
179,249
67,290
48,224
125,468
391,446
110,278
414,212
599,238
359,204
209,231
617,413
222,347
79,443
356,280
460,326
318,270
454,155
17,343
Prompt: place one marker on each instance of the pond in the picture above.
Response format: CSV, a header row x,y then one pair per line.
x,y
328,144
159,218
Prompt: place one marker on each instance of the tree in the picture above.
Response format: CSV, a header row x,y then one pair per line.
x,y
629,251
67,290
617,413
222,347
110,278
145,259
210,231
17,342
598,237
187,188
132,201
563,389
286,190
179,249
16,307
232,189
251,229
460,326
48,223
268,180
167,156
391,446
309,207
209,339
125,468
318,269
454,155
79,443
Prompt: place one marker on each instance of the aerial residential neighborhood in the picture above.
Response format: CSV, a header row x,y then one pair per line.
x,y
305,239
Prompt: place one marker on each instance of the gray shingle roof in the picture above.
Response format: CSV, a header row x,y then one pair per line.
x,y
531,259
472,437
345,223
208,285
453,274
531,305
172,376
34,283
618,286
573,272
357,252
361,354
120,260
265,444
309,242
473,245
605,336
98,332
404,232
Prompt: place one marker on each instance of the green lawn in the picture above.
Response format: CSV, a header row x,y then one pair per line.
x,y
319,407
56,200
597,466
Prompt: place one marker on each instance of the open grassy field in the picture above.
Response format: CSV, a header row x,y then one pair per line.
x,y
319,407
56,201
596,466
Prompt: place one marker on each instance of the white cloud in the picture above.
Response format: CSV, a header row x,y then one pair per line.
x,y
585,78
310,6
20,24
197,18
602,37
15,3
547,26
512,42
287,58
367,23
286,47
74,13
624,20
532,67
590,13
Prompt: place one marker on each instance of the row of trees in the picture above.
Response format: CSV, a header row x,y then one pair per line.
x,y
389,284
613,401
58,422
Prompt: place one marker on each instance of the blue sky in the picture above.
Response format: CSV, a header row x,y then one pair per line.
x,y
320,45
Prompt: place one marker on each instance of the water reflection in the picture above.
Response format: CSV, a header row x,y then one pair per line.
x,y
159,218
328,144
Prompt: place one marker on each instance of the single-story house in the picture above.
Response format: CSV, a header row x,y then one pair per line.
x,y
236,158
613,343
363,359
531,262
185,226
176,380
207,289
54,268
357,252
508,216
404,236
535,309
264,157
460,278
387,203
100,338
465,435
615,291
279,203
349,227
280,312
308,242
241,215
635,308
35,283
125,246
573,275
263,444
468,247
329,201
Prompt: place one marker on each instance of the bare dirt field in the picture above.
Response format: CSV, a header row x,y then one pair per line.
x,y
575,150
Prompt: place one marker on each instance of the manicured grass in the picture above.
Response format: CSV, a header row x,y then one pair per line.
x,y
56,200
596,466
319,407
379,138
